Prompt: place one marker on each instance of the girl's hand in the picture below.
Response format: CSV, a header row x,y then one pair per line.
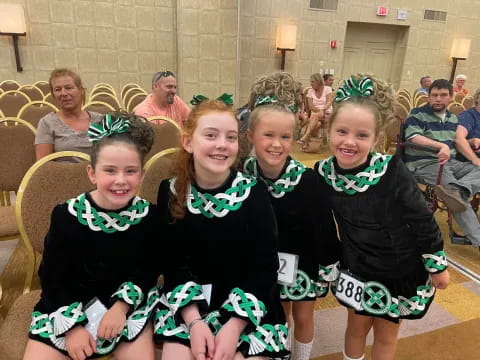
x,y
440,280
80,343
113,321
202,342
227,339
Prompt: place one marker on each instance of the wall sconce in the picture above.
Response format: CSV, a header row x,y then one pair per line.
x,y
12,23
460,50
286,40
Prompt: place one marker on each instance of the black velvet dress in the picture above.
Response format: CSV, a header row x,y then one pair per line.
x,y
306,227
227,242
89,253
390,240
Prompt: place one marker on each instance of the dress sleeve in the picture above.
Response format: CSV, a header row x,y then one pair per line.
x,y
326,245
59,274
44,132
180,286
256,291
420,219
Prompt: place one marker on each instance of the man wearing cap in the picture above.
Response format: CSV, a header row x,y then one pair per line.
x,y
163,101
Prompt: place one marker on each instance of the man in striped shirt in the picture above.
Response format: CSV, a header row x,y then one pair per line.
x,y
433,125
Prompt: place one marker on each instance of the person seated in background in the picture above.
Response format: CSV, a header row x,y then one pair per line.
x,y
328,79
425,82
67,128
459,84
163,101
433,125
467,138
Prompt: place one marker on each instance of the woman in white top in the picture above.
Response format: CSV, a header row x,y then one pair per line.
x,y
319,105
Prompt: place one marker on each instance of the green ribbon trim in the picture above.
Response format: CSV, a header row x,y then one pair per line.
x,y
226,98
353,88
438,264
107,127
240,303
272,99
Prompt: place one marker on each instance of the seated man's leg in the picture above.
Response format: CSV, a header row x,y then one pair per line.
x,y
468,222
467,174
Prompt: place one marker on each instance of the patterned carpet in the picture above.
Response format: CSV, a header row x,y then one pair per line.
x,y
450,330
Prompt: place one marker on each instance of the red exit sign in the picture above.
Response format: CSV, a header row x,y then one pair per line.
x,y
382,11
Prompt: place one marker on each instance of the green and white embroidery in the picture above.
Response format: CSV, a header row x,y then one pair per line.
x,y
416,304
267,337
304,287
55,325
107,222
184,294
245,305
286,183
435,262
219,204
130,294
351,184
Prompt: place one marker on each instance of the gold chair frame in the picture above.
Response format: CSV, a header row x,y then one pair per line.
x,y
167,119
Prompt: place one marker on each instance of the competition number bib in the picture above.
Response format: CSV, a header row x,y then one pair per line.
x,y
350,290
94,311
287,271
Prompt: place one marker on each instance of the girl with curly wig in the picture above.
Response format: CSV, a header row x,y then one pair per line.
x,y
392,249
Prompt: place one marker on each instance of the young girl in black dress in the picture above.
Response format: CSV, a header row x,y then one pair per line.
x,y
97,250
392,250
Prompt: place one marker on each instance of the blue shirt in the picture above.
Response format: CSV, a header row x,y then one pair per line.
x,y
470,120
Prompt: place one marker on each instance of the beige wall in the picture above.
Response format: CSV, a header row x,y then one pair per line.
x,y
119,41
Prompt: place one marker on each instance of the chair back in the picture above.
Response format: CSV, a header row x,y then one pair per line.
x,y
157,169
127,87
129,94
404,92
102,89
106,98
8,85
456,108
44,86
166,135
46,184
135,100
467,102
402,99
392,132
421,100
12,101
35,110
99,107
34,93
50,99
401,111
18,152
459,97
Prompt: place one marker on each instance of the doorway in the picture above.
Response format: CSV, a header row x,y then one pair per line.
x,y
375,48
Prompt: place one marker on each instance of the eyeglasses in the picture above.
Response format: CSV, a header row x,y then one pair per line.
x,y
161,74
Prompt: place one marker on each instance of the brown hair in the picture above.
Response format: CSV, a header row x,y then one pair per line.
x,y
183,167
67,72
381,103
139,134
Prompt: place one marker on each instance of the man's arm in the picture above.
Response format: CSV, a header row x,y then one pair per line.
x,y
443,149
464,146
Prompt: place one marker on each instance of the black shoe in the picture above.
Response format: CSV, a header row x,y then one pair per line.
x,y
452,198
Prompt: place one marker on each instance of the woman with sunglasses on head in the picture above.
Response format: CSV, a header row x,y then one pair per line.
x,y
163,101
67,128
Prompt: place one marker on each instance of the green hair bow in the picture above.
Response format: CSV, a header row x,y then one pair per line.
x,y
265,100
353,88
225,98
107,127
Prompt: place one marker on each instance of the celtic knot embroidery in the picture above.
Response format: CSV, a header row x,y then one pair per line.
x,y
414,305
219,204
351,184
130,294
245,305
107,222
287,181
184,294
435,262
267,337
304,287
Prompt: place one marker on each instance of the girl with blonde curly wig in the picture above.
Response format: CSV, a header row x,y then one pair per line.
x,y
218,218
392,249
